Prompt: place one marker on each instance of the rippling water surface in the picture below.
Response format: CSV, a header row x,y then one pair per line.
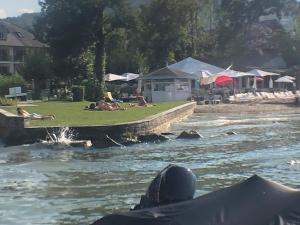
x,y
45,185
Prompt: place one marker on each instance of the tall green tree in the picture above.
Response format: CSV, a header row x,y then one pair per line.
x,y
72,26
163,29
37,69
237,16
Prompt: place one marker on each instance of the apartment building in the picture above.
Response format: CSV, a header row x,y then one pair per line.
x,y
15,44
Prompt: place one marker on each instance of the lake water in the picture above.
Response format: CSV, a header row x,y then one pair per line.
x,y
45,185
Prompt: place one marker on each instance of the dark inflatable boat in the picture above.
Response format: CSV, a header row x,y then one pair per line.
x,y
255,201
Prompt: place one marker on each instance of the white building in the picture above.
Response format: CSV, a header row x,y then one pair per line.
x,y
178,81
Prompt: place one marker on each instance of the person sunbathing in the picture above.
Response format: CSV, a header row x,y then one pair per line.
x,y
33,116
140,102
106,106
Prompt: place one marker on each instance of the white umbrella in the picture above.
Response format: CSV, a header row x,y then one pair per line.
x,y
290,78
130,76
113,77
261,73
284,80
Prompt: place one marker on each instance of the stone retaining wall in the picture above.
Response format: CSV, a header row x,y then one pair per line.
x,y
9,123
17,133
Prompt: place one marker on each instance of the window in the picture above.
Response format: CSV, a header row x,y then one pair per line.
x,y
19,34
19,55
2,36
4,55
182,87
162,87
4,70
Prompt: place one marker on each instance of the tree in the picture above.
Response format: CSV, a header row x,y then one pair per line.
x,y
72,26
237,17
37,68
163,29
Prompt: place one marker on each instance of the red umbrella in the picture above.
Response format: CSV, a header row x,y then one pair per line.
x,y
258,78
223,81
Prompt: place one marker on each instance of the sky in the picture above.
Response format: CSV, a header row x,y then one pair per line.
x,y
9,8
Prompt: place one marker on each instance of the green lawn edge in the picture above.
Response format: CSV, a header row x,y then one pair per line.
x,y
73,113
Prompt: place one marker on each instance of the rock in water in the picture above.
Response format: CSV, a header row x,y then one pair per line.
x,y
167,133
190,135
231,133
105,142
152,138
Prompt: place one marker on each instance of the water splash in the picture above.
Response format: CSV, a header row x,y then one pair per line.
x,y
65,137
294,162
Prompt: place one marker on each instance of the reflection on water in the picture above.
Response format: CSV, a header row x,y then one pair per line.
x,y
43,185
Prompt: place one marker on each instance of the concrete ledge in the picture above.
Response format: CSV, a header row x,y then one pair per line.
x,y
9,122
16,135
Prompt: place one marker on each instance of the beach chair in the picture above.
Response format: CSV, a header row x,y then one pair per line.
x,y
276,94
258,96
270,96
290,94
232,99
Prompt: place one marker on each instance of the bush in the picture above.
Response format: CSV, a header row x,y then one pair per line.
x,y
8,81
78,93
93,90
7,102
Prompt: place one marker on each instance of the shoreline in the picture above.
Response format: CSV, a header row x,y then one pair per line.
x,y
15,132
254,107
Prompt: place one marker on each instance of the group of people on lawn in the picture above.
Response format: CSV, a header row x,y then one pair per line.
x,y
101,105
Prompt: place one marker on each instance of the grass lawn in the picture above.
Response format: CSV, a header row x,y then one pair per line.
x,y
73,113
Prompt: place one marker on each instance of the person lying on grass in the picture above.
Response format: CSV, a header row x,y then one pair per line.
x,y
108,106
105,106
33,116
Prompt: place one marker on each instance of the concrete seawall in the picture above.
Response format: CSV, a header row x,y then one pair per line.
x,y
14,132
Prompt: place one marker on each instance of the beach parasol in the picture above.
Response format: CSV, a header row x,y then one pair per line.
x,y
261,73
284,80
290,78
258,78
223,80
130,76
113,77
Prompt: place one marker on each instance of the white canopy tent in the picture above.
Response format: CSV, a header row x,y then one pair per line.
x,y
113,77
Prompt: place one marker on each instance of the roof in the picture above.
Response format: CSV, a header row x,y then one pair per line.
x,y
168,73
19,37
196,67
